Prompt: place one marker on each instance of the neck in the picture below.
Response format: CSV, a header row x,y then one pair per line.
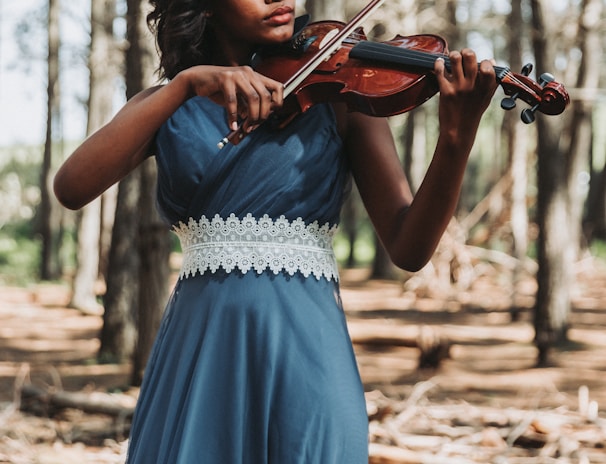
x,y
230,52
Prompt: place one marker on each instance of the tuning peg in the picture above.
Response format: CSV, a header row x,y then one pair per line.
x,y
509,103
528,114
545,79
526,69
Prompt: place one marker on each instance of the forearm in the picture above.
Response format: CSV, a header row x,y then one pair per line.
x,y
419,228
116,149
464,96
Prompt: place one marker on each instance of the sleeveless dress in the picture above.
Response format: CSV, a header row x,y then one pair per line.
x,y
253,363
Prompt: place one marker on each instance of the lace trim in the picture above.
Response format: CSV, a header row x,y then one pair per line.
x,y
258,244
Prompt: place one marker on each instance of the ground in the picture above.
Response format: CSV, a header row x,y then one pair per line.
x,y
486,395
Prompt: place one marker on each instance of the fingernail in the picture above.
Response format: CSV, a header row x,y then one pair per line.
x,y
234,126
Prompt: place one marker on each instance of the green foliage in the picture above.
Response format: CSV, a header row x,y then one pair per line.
x,y
364,247
19,254
19,196
598,249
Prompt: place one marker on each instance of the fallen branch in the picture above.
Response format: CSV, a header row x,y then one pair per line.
x,y
385,454
406,431
433,346
39,401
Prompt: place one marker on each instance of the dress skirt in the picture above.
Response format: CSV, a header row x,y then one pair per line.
x,y
233,381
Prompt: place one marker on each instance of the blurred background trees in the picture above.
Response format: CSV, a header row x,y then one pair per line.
x,y
534,195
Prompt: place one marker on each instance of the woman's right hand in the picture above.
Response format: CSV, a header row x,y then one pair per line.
x,y
248,97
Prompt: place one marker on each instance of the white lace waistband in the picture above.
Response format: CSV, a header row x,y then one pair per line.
x,y
258,244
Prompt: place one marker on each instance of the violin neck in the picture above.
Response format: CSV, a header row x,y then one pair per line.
x,y
389,54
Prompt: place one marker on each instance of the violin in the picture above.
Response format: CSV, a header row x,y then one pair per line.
x,y
331,61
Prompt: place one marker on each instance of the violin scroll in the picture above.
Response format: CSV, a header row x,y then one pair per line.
x,y
546,96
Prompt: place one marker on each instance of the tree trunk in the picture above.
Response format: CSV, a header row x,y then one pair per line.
x,y
118,335
517,146
555,251
382,266
320,10
350,223
137,277
154,239
447,10
48,213
154,253
595,222
581,129
414,141
102,73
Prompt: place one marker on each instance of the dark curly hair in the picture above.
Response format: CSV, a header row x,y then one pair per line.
x,y
183,35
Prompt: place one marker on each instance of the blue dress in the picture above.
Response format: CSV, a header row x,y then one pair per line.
x,y
253,363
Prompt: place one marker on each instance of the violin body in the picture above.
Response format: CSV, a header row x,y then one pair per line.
x,y
370,87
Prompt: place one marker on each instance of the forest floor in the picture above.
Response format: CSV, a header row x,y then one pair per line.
x,y
485,403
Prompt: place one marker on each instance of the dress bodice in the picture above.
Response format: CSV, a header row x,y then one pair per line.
x,y
295,172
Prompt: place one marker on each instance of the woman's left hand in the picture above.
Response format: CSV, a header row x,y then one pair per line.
x,y
465,94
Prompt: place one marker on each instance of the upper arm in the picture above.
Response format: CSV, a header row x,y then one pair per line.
x,y
106,156
377,171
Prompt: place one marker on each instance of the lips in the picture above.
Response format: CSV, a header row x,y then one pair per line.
x,y
281,15
283,10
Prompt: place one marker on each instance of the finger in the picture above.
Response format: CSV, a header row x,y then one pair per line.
x,y
486,71
263,100
277,92
456,66
470,64
271,94
486,82
439,67
249,101
230,98
441,74
257,95
266,95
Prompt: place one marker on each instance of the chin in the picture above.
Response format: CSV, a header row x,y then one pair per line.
x,y
281,34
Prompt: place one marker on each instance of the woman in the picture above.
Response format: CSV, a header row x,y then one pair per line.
x,y
253,362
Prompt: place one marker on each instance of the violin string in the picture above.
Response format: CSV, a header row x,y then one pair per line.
x,y
389,53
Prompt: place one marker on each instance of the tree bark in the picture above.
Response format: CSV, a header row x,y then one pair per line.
x,y
517,147
102,73
414,141
137,282
154,243
48,213
555,251
595,222
581,132
118,334
321,10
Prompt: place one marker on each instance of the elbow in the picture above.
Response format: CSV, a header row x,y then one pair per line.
x,y
411,264
412,255
66,194
411,260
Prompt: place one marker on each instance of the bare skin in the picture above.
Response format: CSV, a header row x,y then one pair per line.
x,y
409,228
